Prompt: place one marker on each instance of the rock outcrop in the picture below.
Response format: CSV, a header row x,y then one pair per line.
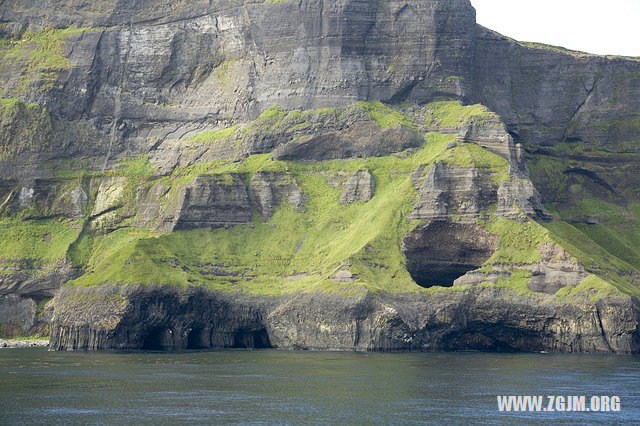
x,y
359,187
268,190
476,318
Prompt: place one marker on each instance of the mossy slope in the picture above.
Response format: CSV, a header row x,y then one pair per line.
x,y
302,250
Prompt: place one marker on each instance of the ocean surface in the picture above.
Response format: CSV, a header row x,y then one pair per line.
x,y
280,387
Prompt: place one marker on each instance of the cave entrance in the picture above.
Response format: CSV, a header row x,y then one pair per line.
x,y
198,338
251,339
156,339
441,252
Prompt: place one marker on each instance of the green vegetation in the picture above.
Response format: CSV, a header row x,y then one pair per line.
x,y
222,70
567,51
46,240
448,114
518,243
555,48
592,287
40,54
385,116
25,126
472,155
302,250
618,230
135,167
363,237
208,136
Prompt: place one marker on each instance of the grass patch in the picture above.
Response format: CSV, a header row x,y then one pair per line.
x,y
451,114
384,115
471,155
213,135
46,240
139,166
518,243
592,287
259,258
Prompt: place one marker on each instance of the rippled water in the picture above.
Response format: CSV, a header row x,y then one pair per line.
x,y
270,386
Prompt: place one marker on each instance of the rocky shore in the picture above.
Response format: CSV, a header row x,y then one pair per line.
x,y
475,318
24,343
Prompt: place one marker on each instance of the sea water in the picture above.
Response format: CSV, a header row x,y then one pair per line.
x,y
283,387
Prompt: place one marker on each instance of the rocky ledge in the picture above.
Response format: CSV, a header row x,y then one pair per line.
x,y
23,343
469,318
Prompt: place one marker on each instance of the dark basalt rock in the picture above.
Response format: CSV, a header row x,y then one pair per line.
x,y
479,318
360,140
440,252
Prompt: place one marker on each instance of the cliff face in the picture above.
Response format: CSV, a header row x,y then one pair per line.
x,y
144,72
286,155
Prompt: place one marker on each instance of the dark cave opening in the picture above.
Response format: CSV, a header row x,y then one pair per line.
x,y
155,339
439,253
251,339
198,338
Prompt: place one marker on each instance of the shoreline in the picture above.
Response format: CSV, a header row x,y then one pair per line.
x,y
23,343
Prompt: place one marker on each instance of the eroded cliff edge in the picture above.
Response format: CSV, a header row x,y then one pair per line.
x,y
159,148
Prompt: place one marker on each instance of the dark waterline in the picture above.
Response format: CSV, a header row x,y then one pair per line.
x,y
270,386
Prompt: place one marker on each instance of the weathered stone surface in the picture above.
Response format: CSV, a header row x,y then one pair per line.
x,y
213,201
548,95
518,197
268,190
448,190
555,271
156,318
109,195
359,140
328,53
43,198
359,187
477,318
491,133
29,278
152,73
19,316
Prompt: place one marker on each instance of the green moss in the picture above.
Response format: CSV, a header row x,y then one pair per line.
x,y
365,237
593,287
208,136
80,250
45,240
302,250
518,281
25,127
554,48
385,116
619,125
139,166
472,155
222,70
593,256
618,230
451,114
519,242
40,54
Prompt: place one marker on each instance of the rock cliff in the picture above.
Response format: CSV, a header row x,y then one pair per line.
x,y
316,174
